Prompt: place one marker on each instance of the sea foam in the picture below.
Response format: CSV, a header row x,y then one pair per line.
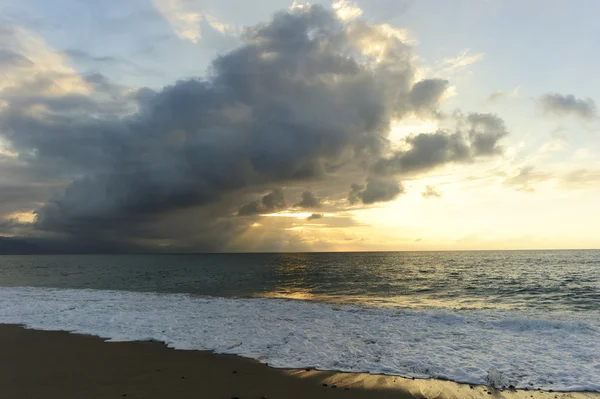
x,y
559,351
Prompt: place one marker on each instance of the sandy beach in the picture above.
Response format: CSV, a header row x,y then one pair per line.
x,y
48,365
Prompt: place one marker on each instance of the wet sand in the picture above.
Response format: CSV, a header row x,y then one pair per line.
x,y
53,365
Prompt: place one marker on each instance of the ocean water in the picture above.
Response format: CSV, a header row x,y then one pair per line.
x,y
525,318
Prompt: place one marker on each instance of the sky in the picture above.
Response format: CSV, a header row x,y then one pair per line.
x,y
258,126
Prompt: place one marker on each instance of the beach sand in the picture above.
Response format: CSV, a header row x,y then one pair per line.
x,y
49,365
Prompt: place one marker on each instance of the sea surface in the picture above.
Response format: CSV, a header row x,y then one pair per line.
x,y
530,319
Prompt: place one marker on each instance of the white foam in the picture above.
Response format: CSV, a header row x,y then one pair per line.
x,y
552,351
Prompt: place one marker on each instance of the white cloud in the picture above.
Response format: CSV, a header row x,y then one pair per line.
x,y
37,61
298,6
346,10
500,95
186,20
462,60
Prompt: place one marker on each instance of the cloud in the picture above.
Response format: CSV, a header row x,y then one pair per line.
x,y
11,226
426,94
462,60
565,105
274,201
307,99
283,107
10,59
28,62
431,192
500,95
186,21
525,178
123,65
485,131
346,10
308,201
476,135
315,216
581,178
83,55
376,190
355,195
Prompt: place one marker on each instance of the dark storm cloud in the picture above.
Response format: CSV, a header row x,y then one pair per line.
x,y
274,201
10,224
19,198
354,197
376,190
563,105
426,152
251,208
290,104
476,135
381,190
304,99
309,200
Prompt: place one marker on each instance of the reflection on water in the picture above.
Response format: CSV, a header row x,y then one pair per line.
x,y
292,271
459,280
497,279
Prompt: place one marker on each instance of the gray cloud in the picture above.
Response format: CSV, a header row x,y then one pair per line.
x,y
315,216
476,135
496,96
563,105
300,101
274,201
9,58
426,151
426,94
309,200
485,131
354,197
431,192
376,190
85,56
271,111
11,225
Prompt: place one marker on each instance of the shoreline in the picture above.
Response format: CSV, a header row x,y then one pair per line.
x,y
60,364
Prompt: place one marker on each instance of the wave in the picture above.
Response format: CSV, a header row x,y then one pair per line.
x,y
558,351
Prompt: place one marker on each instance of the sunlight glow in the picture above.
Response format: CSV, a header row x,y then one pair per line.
x,y
23,217
297,215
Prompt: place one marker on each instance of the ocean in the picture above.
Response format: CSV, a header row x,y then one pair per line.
x,y
530,319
